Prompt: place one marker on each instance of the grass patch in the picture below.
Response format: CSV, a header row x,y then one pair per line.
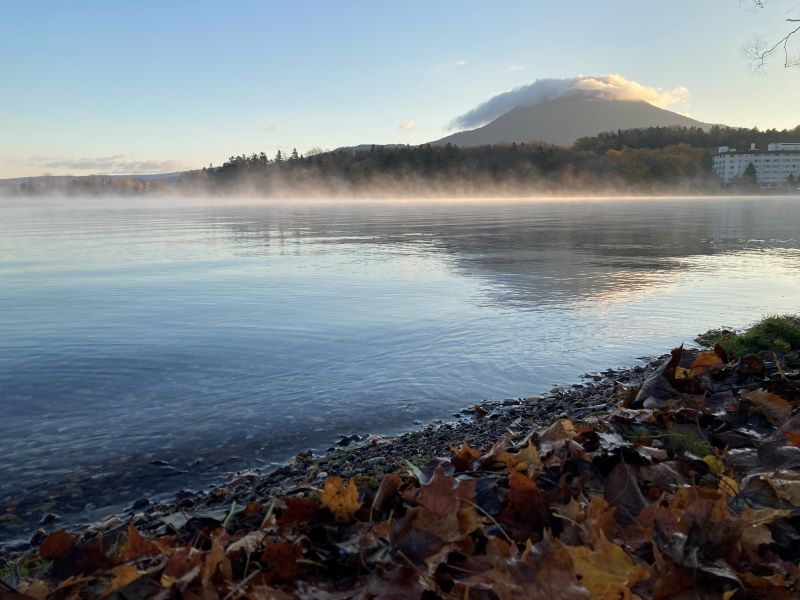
x,y
779,332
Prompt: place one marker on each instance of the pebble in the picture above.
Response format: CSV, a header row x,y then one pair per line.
x,y
48,518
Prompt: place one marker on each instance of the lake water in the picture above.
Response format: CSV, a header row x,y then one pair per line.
x,y
216,338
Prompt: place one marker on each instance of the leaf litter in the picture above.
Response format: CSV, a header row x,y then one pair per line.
x,y
688,488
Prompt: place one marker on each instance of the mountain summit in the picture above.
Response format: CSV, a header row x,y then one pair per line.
x,y
563,120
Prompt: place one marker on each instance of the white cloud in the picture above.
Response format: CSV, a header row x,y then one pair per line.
x,y
515,67
408,125
447,65
117,164
613,86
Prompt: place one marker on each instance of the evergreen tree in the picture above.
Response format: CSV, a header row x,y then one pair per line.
x,y
750,176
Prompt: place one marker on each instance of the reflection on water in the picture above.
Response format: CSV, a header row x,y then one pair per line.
x,y
214,338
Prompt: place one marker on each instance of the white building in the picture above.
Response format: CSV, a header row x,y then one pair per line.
x,y
773,165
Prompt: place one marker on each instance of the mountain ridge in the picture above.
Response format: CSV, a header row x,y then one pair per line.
x,y
563,120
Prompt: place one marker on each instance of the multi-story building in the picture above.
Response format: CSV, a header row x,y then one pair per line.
x,y
773,166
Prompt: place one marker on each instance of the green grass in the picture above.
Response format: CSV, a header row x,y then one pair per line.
x,y
778,332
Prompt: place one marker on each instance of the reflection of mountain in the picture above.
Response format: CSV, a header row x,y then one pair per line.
x,y
538,254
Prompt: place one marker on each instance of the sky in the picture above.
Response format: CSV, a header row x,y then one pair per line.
x,y
153,86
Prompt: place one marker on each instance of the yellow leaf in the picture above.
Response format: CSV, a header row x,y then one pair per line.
x,y
340,500
714,464
728,486
606,570
37,589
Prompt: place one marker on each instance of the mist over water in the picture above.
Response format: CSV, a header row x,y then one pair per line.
x,y
215,337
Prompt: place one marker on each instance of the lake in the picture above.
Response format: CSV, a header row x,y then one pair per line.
x,y
147,345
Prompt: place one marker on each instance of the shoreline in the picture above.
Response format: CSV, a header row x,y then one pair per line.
x,y
675,478
480,425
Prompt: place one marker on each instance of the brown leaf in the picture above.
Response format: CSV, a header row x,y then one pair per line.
x,y
183,561
299,510
217,561
622,492
252,509
390,483
776,409
137,546
463,457
281,557
340,500
438,495
56,545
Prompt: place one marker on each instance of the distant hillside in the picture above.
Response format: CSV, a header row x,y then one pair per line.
x,y
564,120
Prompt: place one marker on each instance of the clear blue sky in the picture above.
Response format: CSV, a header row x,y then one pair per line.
x,y
97,86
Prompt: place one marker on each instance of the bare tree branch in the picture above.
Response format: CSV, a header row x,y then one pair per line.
x,y
758,52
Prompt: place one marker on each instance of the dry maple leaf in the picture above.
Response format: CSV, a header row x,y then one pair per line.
x,y
217,561
56,545
463,457
706,362
776,409
137,546
606,570
123,575
438,495
340,500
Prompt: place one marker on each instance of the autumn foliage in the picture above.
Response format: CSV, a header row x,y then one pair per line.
x,y
688,488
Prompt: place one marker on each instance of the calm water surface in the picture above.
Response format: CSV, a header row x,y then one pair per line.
x,y
223,337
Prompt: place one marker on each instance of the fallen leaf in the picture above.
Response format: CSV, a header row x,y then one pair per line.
x,y
247,544
56,545
622,492
438,495
606,570
340,500
776,409
463,456
299,510
123,575
281,558
217,561
706,362
137,546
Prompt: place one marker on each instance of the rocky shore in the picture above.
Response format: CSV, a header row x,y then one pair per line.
x,y
677,478
480,426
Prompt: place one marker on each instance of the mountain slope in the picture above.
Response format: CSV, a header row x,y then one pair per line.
x,y
563,120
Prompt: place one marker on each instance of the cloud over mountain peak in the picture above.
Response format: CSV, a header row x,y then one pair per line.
x,y
609,87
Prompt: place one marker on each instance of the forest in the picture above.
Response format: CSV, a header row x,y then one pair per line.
x,y
648,160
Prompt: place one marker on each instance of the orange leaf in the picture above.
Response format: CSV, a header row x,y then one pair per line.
x,y
123,575
56,545
340,500
706,362
793,437
138,546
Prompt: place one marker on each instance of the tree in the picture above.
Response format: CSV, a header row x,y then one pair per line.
x,y
750,176
758,52
278,158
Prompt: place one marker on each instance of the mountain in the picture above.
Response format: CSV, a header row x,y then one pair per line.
x,y
563,120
